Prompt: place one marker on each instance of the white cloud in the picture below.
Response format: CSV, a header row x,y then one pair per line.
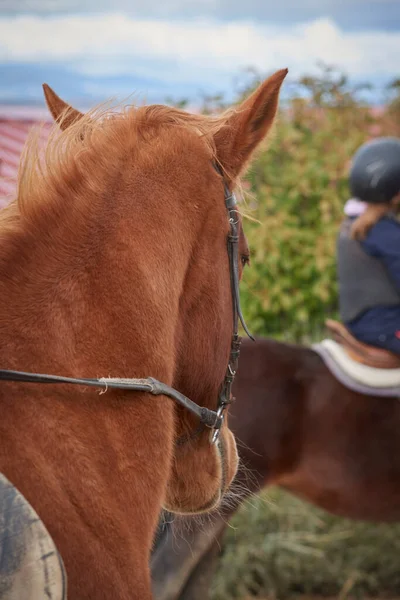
x,y
193,50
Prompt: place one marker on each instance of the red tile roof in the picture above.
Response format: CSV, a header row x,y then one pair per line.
x,y
15,124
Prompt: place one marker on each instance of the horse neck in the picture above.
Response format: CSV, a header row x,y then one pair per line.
x,y
106,299
86,306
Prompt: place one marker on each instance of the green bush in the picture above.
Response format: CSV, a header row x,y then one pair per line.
x,y
297,188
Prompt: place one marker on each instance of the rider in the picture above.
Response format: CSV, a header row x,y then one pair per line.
x,y
368,247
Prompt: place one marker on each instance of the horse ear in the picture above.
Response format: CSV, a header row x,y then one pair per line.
x,y
62,112
246,127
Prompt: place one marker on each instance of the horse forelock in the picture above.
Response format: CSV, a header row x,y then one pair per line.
x,y
75,163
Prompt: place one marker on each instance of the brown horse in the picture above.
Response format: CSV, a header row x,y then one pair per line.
x,y
114,263
296,427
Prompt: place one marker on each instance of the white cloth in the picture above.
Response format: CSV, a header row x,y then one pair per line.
x,y
354,207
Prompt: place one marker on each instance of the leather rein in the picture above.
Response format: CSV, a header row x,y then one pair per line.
x,y
207,417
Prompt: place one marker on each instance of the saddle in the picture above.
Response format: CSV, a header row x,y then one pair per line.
x,y
31,567
359,352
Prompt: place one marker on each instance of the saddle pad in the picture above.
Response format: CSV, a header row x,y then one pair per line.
x,y
356,376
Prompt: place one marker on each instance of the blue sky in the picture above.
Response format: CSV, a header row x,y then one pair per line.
x,y
89,50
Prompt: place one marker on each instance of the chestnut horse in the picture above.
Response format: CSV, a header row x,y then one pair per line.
x,y
296,427
114,263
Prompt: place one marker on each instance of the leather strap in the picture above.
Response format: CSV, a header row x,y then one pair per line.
x,y
153,386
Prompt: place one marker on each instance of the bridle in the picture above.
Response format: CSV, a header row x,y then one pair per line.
x,y
225,394
207,417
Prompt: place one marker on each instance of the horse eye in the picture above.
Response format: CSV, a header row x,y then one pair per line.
x,y
245,259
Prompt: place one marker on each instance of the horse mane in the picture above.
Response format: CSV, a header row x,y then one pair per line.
x,y
76,163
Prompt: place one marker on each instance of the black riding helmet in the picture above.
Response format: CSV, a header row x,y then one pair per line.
x,y
375,171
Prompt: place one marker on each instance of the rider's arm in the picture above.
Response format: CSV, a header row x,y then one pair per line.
x,y
383,241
